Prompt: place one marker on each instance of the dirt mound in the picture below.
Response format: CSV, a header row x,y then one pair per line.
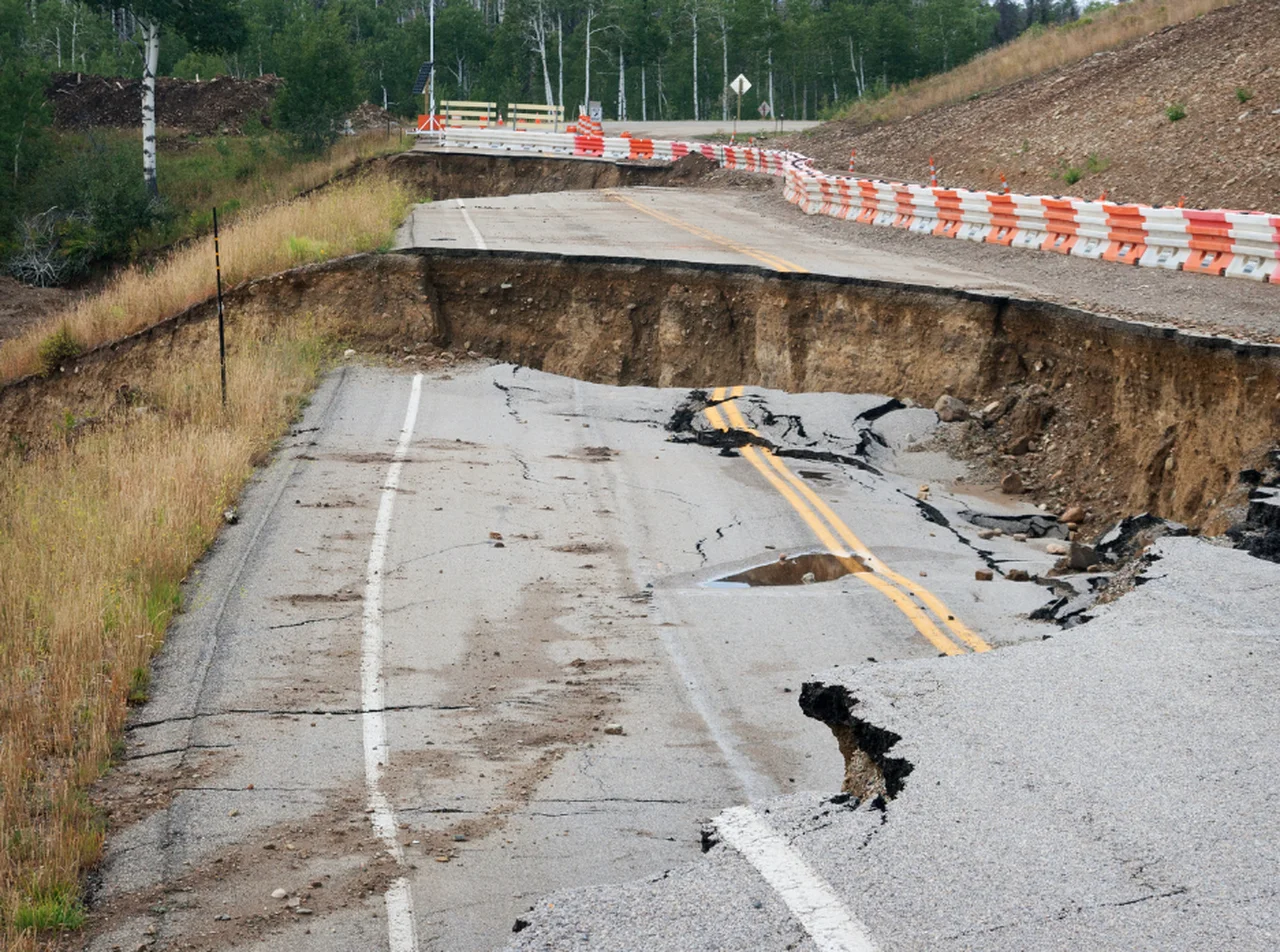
x,y
370,118
209,107
1106,118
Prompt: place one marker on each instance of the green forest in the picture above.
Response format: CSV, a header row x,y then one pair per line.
x,y
643,59
70,199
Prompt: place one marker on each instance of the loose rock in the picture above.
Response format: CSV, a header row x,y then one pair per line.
x,y
1011,485
1074,514
1057,548
951,409
613,729
1017,575
280,894
984,575
1081,556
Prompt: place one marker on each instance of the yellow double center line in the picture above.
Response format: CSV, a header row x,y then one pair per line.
x,y
831,531
764,257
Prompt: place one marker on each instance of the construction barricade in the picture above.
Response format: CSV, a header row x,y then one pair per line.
x,y
1236,244
526,117
462,114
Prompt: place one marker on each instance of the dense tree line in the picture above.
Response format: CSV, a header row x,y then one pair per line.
x,y
668,59
63,207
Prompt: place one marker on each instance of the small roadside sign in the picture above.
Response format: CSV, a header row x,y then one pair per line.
x,y
764,109
740,85
595,111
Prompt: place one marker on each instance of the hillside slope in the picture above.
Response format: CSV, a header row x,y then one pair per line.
x,y
1106,117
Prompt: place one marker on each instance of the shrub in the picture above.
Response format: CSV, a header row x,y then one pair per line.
x,y
1072,175
1176,111
1243,95
58,348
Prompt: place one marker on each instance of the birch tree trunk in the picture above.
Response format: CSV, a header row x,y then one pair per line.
x,y
693,17
586,86
151,62
542,52
644,96
622,86
724,49
560,61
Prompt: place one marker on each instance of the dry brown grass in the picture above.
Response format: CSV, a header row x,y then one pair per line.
x,y
96,536
95,541
348,218
1031,54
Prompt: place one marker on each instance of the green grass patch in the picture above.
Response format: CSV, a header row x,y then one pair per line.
x,y
49,910
1176,111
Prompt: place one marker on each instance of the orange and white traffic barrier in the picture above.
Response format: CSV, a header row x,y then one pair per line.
x,y
1255,246
1236,244
1060,225
641,149
1126,238
924,202
1092,235
1211,242
1004,220
975,215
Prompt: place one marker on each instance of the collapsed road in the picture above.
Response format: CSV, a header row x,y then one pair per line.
x,y
493,648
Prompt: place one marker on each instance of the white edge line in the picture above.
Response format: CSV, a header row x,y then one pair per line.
x,y
475,232
400,926
809,897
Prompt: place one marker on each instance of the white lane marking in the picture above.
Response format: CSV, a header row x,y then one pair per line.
x,y
809,897
475,232
400,927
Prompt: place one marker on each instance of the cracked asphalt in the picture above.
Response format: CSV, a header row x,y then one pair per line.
x,y
569,692
1113,787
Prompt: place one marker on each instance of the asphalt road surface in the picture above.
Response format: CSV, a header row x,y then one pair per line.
x,y
531,561
716,226
492,649
758,227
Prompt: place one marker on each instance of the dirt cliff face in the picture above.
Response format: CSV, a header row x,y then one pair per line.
x,y
1117,417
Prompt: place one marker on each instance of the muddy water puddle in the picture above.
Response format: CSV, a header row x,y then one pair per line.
x,y
807,569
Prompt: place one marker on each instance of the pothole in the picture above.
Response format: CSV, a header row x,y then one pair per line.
x,y
807,569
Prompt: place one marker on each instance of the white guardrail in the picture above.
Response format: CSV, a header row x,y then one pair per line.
x,y
1219,242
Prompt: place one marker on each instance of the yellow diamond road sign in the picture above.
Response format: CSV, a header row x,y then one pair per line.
x,y
740,85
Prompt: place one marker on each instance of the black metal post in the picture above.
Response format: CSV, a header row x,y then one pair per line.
x,y
222,328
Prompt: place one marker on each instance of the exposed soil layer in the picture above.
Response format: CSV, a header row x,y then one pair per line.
x,y
22,305
1139,418
1111,106
443,175
210,107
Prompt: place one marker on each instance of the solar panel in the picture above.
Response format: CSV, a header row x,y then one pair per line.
x,y
420,84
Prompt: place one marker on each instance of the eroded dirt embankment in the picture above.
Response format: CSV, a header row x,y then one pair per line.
x,y
444,175
1117,417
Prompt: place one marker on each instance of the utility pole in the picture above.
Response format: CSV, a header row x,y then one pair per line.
x,y
431,111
